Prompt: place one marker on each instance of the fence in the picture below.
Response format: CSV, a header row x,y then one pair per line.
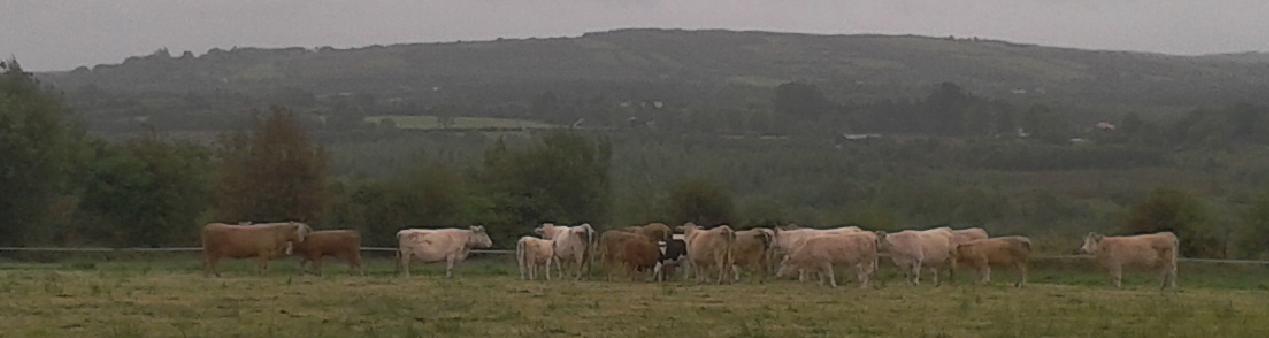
x,y
508,252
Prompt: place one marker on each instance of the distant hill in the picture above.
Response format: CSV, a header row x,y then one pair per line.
x,y
705,67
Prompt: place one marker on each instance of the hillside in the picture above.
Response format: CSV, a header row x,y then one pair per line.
x,y
682,68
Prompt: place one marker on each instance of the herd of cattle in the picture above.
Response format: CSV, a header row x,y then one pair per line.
x,y
717,254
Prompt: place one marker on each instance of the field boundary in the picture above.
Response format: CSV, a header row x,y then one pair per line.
x,y
509,252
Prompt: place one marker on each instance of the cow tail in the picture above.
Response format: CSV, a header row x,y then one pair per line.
x,y
520,261
590,248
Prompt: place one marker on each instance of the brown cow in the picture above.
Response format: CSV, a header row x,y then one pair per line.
x,y
982,254
820,254
1156,251
912,251
709,248
447,245
750,250
656,231
632,251
263,241
532,253
342,244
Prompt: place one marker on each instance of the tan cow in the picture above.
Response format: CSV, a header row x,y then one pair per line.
x,y
571,244
263,241
751,250
966,235
341,244
1157,251
532,253
442,245
982,254
632,252
820,254
791,236
709,248
913,251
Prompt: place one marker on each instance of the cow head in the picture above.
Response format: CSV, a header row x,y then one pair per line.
x,y
1091,242
479,238
546,230
882,243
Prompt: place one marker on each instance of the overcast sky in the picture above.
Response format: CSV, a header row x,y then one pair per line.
x,y
62,34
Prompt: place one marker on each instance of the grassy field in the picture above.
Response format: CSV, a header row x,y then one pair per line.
x,y
432,123
168,297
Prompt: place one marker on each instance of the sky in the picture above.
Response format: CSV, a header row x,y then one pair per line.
x,y
63,34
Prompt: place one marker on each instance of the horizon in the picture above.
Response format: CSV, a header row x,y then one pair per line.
x,y
109,32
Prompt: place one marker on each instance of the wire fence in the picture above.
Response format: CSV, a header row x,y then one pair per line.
x,y
509,252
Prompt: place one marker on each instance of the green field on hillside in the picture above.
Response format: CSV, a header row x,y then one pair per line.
x,y
168,297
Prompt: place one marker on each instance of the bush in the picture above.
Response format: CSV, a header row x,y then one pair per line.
x,y
700,201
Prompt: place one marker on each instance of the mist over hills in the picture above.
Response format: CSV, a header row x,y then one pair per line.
x,y
711,68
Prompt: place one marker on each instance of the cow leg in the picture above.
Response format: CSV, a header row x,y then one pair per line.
x,y
449,266
984,276
735,271
209,262
1172,275
916,273
354,262
1116,276
317,264
264,262
404,263
1022,273
861,274
581,264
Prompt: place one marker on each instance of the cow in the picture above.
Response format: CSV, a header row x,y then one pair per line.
x,y
341,244
709,248
1157,251
750,250
966,235
790,236
442,245
673,257
534,252
656,231
632,252
911,251
820,254
982,254
263,241
570,244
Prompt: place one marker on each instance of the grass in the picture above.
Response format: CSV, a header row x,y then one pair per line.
x,y
168,297
459,123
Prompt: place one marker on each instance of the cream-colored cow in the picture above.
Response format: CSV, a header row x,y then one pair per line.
x,y
572,245
913,251
532,253
820,254
707,249
443,245
1157,251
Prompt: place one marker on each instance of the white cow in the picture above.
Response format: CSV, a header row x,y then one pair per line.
x,y
571,244
448,245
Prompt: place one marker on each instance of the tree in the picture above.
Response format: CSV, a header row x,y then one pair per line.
x,y
1177,211
800,99
147,192
700,201
36,154
275,173
428,196
564,179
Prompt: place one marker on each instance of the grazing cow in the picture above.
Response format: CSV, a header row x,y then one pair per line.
x,y
263,241
341,244
447,245
982,254
820,254
656,231
631,251
673,257
532,253
709,248
791,236
751,251
966,235
1157,251
913,250
571,244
